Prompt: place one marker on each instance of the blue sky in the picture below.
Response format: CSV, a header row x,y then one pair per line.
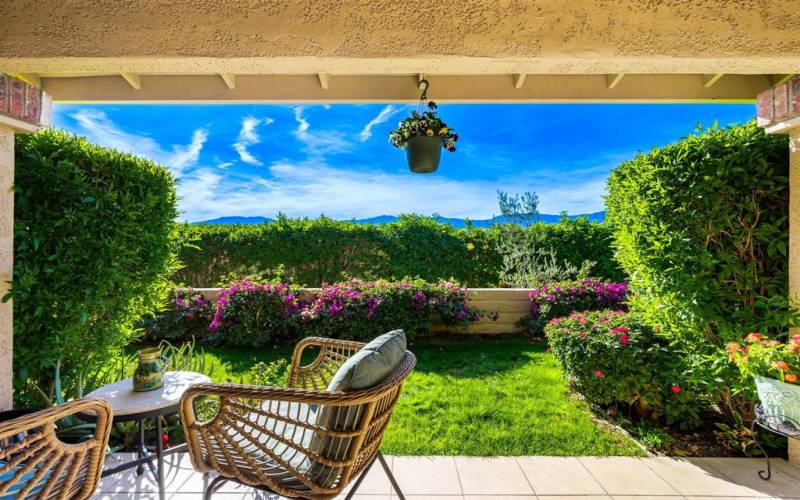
x,y
254,160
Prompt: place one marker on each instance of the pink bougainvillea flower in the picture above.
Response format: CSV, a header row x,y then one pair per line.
x,y
796,339
620,329
599,374
675,389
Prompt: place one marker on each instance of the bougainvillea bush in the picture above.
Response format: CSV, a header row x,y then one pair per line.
x,y
560,299
248,314
186,317
617,362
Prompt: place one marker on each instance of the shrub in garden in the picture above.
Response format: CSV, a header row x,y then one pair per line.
x,y
310,252
186,317
615,360
701,228
256,315
559,299
94,246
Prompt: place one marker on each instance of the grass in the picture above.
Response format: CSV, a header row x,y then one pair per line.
x,y
479,397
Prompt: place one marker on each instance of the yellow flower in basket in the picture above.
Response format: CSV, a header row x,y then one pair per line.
x,y
443,131
429,132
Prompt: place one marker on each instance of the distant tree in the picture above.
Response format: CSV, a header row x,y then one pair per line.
x,y
520,209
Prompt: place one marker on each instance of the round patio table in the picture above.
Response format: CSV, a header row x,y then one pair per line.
x,y
128,406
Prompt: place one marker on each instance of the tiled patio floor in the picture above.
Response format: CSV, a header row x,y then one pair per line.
x,y
550,478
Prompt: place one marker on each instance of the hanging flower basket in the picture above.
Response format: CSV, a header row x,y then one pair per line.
x,y
423,135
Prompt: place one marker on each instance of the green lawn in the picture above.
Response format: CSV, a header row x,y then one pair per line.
x,y
473,396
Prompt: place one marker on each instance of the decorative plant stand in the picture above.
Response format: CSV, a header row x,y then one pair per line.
x,y
783,426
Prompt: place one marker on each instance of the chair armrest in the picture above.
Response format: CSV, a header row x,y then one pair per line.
x,y
317,374
38,460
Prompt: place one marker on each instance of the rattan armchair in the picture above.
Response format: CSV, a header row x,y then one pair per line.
x,y
36,464
301,441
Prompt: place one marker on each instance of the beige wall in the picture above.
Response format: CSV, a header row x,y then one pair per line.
x,y
6,261
557,36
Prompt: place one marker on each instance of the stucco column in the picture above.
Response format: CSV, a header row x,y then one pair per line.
x,y
24,108
779,113
6,261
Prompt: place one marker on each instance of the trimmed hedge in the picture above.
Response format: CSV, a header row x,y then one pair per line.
x,y
94,245
310,252
701,228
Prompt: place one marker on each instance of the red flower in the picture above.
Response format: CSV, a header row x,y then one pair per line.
x,y
599,374
623,338
676,389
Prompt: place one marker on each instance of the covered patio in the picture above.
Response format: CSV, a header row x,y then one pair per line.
x,y
349,52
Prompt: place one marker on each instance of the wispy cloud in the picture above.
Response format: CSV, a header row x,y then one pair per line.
x,y
312,187
99,129
247,137
384,115
318,143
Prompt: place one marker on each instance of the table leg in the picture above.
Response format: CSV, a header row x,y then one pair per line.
x,y
140,450
160,458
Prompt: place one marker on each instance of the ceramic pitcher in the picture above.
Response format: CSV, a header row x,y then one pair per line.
x,y
149,375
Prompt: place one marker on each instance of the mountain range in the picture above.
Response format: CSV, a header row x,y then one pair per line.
x,y
385,219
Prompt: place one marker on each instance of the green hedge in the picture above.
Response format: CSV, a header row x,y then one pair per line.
x,y
310,252
701,228
94,245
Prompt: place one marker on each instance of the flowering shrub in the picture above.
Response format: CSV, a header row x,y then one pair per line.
x,y
758,356
560,299
248,314
254,315
614,360
426,123
187,316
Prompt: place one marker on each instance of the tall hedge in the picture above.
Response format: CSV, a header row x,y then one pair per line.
x,y
94,245
310,252
701,228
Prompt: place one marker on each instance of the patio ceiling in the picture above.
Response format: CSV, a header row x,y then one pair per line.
x,y
353,51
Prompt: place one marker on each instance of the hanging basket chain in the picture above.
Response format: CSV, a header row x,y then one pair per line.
x,y
423,98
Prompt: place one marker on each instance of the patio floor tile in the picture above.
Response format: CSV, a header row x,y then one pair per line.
x,y
427,475
785,481
559,476
691,478
492,476
626,476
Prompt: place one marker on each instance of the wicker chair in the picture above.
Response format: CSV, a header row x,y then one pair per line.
x,y
301,441
36,464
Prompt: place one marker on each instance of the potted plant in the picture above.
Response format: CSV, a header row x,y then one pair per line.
x,y
775,367
423,134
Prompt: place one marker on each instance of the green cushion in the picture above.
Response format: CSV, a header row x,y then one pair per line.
x,y
372,364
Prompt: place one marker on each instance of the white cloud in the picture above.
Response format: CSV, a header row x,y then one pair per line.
x,y
313,187
247,137
384,115
320,142
100,129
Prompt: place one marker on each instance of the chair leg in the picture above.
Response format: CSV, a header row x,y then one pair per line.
x,y
213,486
358,481
388,471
